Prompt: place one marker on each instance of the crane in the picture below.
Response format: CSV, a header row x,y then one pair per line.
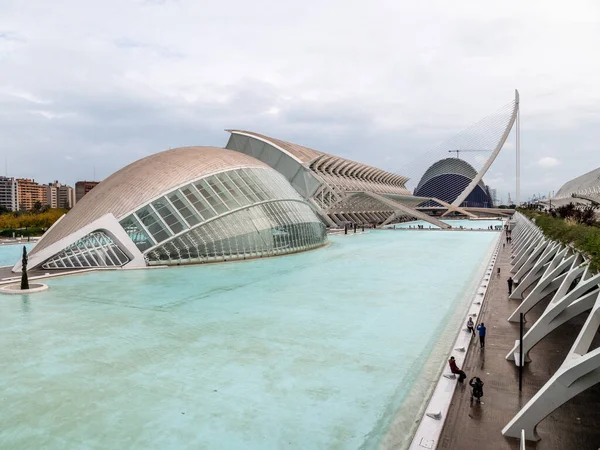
x,y
472,150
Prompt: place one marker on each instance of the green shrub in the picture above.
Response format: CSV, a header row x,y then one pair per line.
x,y
585,238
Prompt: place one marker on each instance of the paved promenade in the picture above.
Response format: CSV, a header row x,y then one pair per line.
x,y
573,426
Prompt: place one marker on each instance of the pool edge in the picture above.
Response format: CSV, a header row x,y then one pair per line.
x,y
430,428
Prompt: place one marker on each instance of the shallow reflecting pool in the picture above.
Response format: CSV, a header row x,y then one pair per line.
x,y
11,253
334,348
478,224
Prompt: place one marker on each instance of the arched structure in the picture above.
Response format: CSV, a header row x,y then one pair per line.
x,y
335,186
448,178
478,145
186,205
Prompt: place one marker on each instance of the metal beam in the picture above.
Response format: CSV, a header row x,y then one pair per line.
x,y
396,206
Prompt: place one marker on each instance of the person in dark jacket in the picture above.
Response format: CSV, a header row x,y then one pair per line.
x,y
477,391
510,285
481,329
454,369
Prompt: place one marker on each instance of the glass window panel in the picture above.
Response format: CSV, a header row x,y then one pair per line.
x,y
136,233
93,250
261,230
223,193
262,180
152,224
170,217
257,191
241,184
184,208
209,195
199,203
232,190
216,186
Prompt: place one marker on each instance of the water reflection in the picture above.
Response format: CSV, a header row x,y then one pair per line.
x,y
25,305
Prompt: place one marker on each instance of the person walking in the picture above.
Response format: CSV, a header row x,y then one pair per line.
x,y
510,285
454,369
471,326
481,329
477,391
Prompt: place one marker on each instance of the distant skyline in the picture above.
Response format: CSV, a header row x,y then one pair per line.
x,y
89,85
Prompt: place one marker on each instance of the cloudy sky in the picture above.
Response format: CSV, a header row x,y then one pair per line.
x,y
87,87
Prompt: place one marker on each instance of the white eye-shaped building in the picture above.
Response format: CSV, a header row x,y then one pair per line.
x,y
182,206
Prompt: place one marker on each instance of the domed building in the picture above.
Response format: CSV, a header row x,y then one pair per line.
x,y
447,178
182,206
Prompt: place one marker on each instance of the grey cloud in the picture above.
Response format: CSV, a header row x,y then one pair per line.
x,y
116,81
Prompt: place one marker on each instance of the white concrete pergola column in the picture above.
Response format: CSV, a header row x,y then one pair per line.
x,y
579,371
530,277
519,245
530,252
522,232
550,280
577,291
563,307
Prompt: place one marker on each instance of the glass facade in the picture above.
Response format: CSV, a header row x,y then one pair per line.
x,y
94,250
237,214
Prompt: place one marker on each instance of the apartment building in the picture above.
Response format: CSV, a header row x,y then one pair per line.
x,y
9,193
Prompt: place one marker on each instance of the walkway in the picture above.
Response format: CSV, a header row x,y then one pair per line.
x,y
574,426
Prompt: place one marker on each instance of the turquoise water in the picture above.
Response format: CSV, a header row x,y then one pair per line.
x,y
11,253
480,224
313,350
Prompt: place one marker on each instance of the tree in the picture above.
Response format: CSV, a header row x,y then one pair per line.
x,y
566,211
24,279
586,214
37,207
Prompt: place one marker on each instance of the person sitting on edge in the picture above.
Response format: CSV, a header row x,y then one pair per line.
x,y
454,369
477,386
481,328
471,326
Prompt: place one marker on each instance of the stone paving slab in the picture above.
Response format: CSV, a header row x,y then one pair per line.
x,y
573,426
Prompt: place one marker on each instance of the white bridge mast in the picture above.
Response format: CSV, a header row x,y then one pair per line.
x,y
475,181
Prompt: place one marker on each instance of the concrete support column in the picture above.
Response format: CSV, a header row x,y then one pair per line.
x,y
579,371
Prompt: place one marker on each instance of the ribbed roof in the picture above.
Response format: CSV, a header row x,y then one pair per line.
x,y
310,157
585,181
304,154
143,180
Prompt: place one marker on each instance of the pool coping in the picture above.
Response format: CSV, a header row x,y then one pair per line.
x,y
430,427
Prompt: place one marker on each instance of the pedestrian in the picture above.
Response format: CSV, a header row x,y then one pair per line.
x,y
471,326
510,285
481,329
477,391
454,369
